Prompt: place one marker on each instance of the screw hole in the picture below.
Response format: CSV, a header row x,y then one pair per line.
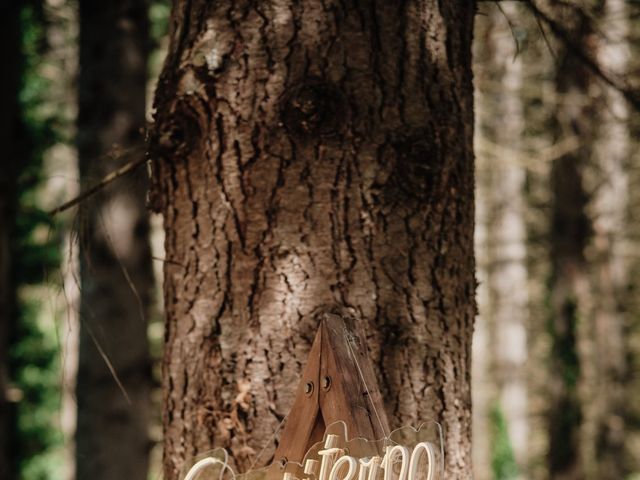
x,y
308,388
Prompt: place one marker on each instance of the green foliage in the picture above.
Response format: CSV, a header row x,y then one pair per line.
x,y
564,349
503,462
565,412
159,12
34,250
33,358
35,373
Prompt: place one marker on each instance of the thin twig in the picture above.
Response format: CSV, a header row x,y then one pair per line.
x,y
512,29
107,179
108,363
544,36
610,79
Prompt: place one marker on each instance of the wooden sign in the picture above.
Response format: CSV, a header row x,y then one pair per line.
x,y
338,384
337,428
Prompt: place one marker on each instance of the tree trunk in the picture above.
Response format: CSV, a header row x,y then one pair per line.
x,y
605,405
632,297
570,235
503,304
591,195
312,156
10,135
116,275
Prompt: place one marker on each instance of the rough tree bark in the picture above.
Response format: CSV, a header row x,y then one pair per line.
x,y
10,43
116,276
309,156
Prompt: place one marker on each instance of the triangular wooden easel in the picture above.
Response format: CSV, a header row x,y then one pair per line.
x,y
338,384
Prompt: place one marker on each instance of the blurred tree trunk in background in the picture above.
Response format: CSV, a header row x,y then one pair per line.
x,y
632,332
116,276
605,365
501,334
590,199
309,156
12,155
570,234
541,149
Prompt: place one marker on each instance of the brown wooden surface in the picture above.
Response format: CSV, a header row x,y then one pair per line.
x,y
339,353
299,427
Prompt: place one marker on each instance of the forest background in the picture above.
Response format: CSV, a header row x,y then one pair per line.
x,y
556,352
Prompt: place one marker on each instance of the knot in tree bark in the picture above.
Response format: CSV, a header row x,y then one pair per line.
x,y
315,108
418,165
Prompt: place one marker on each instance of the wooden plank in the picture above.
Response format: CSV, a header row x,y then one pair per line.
x,y
299,427
353,395
337,384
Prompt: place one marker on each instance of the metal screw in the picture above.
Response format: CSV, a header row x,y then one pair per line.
x,y
326,382
308,388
